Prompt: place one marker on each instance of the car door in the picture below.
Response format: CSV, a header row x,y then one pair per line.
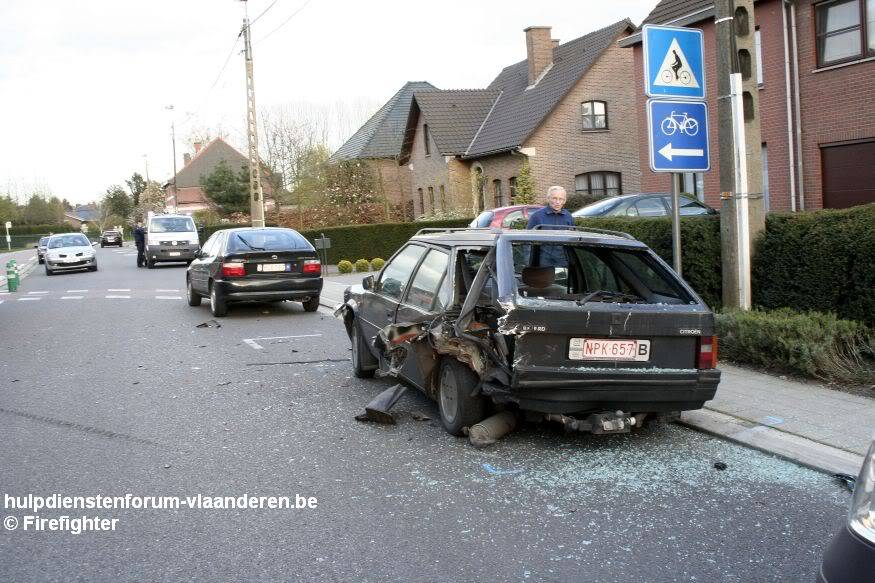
x,y
200,266
380,303
426,297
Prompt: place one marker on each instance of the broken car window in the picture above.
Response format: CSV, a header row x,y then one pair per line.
x,y
427,282
397,272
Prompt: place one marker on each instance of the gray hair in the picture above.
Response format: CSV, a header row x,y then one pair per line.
x,y
553,189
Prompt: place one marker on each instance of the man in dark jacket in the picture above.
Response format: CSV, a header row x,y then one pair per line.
x,y
556,217
140,241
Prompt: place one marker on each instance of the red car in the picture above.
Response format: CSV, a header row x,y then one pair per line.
x,y
504,216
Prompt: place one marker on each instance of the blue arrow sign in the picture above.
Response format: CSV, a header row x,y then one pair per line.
x,y
673,62
678,135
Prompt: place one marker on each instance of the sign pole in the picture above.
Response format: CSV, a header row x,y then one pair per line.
x,y
676,221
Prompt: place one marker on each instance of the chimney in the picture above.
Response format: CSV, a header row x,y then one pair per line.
x,y
186,158
555,42
197,147
539,51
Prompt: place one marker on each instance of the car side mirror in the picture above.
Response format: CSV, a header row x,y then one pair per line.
x,y
368,283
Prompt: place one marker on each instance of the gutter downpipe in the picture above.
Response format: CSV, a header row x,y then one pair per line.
x,y
790,147
796,103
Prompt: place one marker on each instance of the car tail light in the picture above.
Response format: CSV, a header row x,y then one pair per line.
x,y
312,266
233,270
707,352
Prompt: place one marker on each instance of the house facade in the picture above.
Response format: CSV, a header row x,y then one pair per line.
x,y
564,110
814,64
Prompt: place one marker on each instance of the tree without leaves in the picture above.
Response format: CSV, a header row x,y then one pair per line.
x,y
151,199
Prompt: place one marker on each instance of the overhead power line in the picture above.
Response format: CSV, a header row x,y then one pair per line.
x,y
284,22
263,12
216,82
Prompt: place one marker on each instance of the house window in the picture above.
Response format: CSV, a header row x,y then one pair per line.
x,y
758,49
496,194
431,198
594,115
421,201
511,186
842,30
443,197
425,140
598,184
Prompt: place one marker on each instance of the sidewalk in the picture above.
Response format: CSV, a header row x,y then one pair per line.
x,y
805,422
26,259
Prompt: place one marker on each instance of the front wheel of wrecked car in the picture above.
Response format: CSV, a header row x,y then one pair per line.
x,y
360,355
459,399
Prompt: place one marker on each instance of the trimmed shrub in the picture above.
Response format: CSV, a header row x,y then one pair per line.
x,y
700,240
812,344
344,266
362,265
377,264
823,261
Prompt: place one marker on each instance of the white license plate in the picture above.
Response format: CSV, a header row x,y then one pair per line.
x,y
603,349
271,267
173,253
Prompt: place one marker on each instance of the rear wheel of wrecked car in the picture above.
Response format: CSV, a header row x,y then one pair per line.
x,y
361,357
459,400
312,304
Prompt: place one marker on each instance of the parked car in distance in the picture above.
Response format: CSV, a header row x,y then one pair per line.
x,y
504,216
112,237
69,251
170,238
850,557
590,329
265,264
41,250
654,204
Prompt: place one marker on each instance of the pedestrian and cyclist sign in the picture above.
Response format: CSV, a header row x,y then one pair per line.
x,y
678,135
673,62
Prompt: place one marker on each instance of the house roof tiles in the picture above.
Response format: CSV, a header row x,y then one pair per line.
x,y
454,116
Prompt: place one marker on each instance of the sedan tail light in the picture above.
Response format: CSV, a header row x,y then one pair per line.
x,y
312,266
233,270
707,357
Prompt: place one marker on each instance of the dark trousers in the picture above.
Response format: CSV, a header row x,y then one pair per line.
x,y
141,256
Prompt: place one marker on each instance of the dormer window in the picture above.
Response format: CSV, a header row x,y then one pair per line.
x,y
594,115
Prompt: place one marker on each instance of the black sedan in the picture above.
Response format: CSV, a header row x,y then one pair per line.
x,y
653,204
255,264
111,237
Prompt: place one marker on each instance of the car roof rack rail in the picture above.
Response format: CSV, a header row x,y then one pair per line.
x,y
450,230
577,228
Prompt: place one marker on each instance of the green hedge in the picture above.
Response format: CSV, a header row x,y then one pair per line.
x,y
39,229
700,240
823,261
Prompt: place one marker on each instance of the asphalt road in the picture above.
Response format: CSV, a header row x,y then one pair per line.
x,y
120,392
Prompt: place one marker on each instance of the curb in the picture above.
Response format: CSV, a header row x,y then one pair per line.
x,y
808,453
23,271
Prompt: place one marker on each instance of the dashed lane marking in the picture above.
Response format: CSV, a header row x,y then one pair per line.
x,y
118,290
28,299
110,297
168,297
71,297
33,293
256,346
166,290
77,291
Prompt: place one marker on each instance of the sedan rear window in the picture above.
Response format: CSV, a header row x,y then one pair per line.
x,y
267,240
590,273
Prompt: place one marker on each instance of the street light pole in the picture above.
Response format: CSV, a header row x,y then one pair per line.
x,y
173,138
256,195
146,162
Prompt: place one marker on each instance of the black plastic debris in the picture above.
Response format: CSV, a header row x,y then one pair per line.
x,y
848,480
420,416
377,411
720,466
209,324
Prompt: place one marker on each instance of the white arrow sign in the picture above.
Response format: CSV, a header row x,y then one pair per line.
x,y
667,151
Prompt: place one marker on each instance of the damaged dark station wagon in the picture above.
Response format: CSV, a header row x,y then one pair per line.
x,y
588,328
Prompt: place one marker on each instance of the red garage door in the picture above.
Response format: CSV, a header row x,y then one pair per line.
x,y
848,174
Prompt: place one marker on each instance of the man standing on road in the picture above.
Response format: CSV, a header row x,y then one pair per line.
x,y
556,217
140,241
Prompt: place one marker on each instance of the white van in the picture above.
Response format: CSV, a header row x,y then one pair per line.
x,y
170,238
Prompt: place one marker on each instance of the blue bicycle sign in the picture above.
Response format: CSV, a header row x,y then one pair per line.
x,y
678,135
682,123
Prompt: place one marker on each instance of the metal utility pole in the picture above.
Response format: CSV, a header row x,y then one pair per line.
x,y
173,138
146,161
742,215
256,195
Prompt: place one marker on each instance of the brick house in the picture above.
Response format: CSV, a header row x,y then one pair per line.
x,y
378,145
563,109
815,68
186,185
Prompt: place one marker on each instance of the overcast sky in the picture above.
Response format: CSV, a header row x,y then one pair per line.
x,y
84,84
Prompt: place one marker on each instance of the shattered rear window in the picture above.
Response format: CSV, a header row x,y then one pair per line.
x,y
591,273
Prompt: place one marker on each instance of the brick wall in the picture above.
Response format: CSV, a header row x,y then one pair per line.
x,y
501,168
393,180
563,150
428,171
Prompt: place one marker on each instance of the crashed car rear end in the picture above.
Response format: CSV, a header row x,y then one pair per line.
x,y
589,329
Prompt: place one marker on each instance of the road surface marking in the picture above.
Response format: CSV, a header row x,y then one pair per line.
x,y
256,346
1,301
166,290
341,284
118,290
77,291
37,292
168,297
71,297
118,297
28,299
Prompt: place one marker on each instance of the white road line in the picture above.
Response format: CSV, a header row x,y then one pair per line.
x,y
340,284
28,299
256,346
36,293
1,301
166,290
77,291
118,290
168,297
71,297
118,297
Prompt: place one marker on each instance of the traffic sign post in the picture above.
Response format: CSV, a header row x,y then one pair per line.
x,y
674,74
